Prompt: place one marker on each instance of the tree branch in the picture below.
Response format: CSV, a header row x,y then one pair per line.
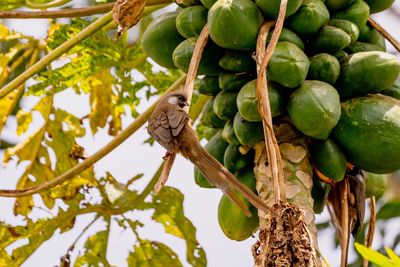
x,y
371,228
95,157
384,33
56,53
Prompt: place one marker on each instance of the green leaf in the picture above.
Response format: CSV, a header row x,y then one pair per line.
x,y
374,256
389,210
96,250
152,254
10,4
168,210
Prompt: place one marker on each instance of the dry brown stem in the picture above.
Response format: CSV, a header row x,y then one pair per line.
x,y
371,228
344,238
384,33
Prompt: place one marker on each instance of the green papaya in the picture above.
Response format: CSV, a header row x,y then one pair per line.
x,y
349,27
225,105
233,81
216,147
335,5
162,30
209,60
363,47
246,176
375,184
379,5
288,58
314,109
233,222
393,90
209,132
330,39
209,85
367,72
209,118
318,193
340,54
247,101
329,159
270,8
369,133
247,132
228,134
234,160
241,15
289,36
357,12
370,35
324,67
191,21
238,61
208,3
311,16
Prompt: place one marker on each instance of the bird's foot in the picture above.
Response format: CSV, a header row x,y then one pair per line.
x,y
167,154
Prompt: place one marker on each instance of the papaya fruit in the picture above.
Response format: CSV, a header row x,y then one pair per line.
x,y
209,118
270,8
191,21
379,5
367,72
247,101
349,27
241,15
216,147
238,61
330,39
233,222
288,58
208,3
363,47
318,193
369,133
234,160
370,35
289,36
209,60
314,109
209,85
340,54
393,90
357,12
225,105
329,159
162,30
228,134
335,5
246,176
233,81
375,184
324,67
247,132
209,132
310,17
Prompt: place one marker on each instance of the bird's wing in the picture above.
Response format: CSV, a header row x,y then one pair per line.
x,y
160,130
177,119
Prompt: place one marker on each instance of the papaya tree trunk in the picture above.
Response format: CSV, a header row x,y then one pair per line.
x,y
288,238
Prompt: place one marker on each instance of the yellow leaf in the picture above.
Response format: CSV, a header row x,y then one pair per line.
x,y
100,99
3,32
24,119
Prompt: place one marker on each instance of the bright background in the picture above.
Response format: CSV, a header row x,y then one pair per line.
x,y
131,158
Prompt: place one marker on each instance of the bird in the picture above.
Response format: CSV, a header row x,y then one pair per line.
x,y
171,127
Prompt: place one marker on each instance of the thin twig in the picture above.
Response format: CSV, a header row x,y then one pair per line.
x,y
263,57
344,223
384,33
56,53
121,137
187,92
72,247
371,228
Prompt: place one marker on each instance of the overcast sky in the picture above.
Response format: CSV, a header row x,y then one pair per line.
x,y
132,158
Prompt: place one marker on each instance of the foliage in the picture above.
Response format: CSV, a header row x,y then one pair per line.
x,y
113,75
377,258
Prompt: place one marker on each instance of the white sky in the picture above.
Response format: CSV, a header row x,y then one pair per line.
x,y
132,158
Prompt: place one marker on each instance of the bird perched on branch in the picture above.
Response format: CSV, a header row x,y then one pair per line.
x,y
170,126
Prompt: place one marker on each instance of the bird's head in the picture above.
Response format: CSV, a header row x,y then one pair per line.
x,y
177,99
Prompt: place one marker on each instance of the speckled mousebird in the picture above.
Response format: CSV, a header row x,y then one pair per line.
x,y
171,127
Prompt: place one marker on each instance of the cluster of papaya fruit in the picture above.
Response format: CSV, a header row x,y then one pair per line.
x,y
329,74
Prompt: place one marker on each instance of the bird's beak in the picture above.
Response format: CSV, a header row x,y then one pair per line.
x,y
186,103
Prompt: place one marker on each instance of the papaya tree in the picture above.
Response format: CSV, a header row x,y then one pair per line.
x,y
297,100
